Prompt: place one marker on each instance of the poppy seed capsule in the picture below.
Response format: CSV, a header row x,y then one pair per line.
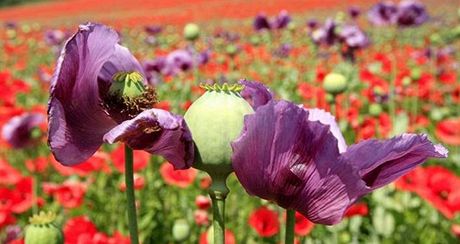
x,y
191,31
215,120
42,230
335,83
127,84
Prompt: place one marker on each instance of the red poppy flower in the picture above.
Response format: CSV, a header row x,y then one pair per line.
x,y
413,180
202,202
98,162
455,229
8,174
357,209
229,238
179,178
69,194
141,159
303,226
448,131
201,217
6,216
38,165
265,222
79,230
139,183
19,199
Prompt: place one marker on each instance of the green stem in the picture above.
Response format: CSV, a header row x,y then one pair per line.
x,y
290,222
218,193
131,206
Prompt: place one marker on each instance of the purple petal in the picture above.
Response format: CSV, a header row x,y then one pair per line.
x,y
261,22
121,61
17,131
158,132
257,93
380,162
77,122
284,157
326,118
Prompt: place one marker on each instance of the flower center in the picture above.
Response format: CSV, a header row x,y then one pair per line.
x,y
128,96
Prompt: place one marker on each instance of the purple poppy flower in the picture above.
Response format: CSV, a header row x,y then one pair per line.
x,y
283,50
312,24
383,13
354,12
153,29
411,13
84,111
282,20
298,158
326,34
55,37
10,25
23,130
13,232
261,22
178,61
353,36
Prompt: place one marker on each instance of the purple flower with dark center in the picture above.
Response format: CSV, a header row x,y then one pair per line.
x,y
383,13
153,29
353,36
261,22
325,35
55,37
354,12
10,25
282,20
23,130
98,93
411,13
13,232
283,50
298,158
179,61
312,24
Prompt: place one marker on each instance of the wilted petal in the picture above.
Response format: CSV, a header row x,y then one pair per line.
x,y
17,131
379,162
158,132
256,93
284,157
77,122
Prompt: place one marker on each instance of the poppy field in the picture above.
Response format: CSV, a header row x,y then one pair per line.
x,y
286,122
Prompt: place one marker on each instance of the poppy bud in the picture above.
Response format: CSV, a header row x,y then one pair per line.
x,y
191,31
215,120
180,230
42,230
416,73
375,109
335,83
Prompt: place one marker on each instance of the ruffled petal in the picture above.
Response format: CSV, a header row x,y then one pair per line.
x,y
77,122
257,93
379,162
121,61
158,132
284,157
328,119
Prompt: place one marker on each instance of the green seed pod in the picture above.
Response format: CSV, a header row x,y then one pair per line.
x,y
416,73
215,120
231,50
127,84
375,109
335,83
181,230
41,230
191,31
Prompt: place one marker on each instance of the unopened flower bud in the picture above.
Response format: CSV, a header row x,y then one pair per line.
x,y
180,230
335,83
191,31
375,109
